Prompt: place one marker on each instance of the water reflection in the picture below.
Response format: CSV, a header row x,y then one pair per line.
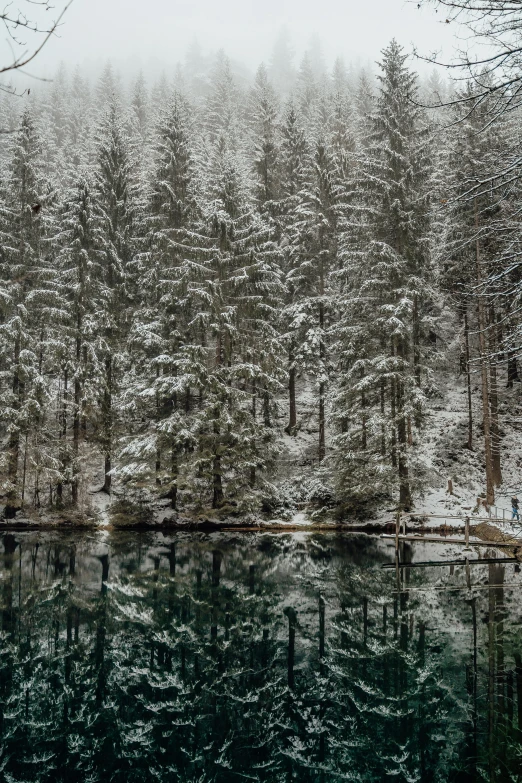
x,y
255,657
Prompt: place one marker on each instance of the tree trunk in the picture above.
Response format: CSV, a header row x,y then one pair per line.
x,y
493,397
322,368
364,439
174,479
468,379
393,411
174,468
14,437
63,436
512,370
416,342
157,466
490,491
217,495
292,424
402,437
266,408
77,415
253,467
217,482
107,404
383,408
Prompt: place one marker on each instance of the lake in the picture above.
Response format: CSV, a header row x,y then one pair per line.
x,y
256,657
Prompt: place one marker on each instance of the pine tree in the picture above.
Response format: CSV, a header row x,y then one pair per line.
x,y
169,324
79,283
245,290
313,259
21,344
294,151
114,210
380,402
263,117
282,70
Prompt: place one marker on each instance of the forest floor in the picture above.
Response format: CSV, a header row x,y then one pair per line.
x,y
300,481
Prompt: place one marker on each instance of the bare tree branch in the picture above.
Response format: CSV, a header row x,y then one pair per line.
x,y
490,55
15,21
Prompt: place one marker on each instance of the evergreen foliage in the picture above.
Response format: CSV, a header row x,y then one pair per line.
x,y
193,277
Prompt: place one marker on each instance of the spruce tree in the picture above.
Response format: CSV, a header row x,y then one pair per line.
x,y
114,211
23,330
379,402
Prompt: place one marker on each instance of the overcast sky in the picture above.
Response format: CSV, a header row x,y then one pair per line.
x,y
152,34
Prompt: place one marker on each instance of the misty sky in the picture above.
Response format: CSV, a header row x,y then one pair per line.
x,y
152,34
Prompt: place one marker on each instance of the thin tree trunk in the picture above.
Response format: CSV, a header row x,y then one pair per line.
x,y
383,407
217,483
322,369
253,467
108,426
416,342
512,370
490,491
24,469
174,468
174,472
416,363
266,407
393,411
14,437
158,449
292,424
79,422
493,397
468,379
364,439
84,418
402,437
63,436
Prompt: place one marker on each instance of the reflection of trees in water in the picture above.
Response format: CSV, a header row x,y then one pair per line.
x,y
212,657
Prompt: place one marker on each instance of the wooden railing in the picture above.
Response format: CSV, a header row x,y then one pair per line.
x,y
401,522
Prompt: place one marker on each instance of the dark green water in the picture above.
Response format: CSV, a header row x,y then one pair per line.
x,y
255,658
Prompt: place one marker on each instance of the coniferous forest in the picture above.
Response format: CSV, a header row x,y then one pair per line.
x,y
248,321
199,271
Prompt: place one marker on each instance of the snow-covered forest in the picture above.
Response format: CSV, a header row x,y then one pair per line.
x,y
197,273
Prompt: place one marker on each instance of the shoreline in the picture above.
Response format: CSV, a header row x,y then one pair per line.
x,y
373,528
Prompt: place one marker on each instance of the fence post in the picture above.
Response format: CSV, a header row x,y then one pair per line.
x,y
397,530
466,528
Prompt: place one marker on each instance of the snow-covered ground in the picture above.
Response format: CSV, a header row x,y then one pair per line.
x,y
445,454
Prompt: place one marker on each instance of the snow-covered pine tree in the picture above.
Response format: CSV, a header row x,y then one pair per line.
x,y
79,283
263,115
281,68
293,157
168,333
79,120
379,402
478,259
114,198
245,290
22,323
266,141
223,104
313,260
307,94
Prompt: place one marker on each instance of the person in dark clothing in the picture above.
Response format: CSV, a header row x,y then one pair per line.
x,y
514,508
